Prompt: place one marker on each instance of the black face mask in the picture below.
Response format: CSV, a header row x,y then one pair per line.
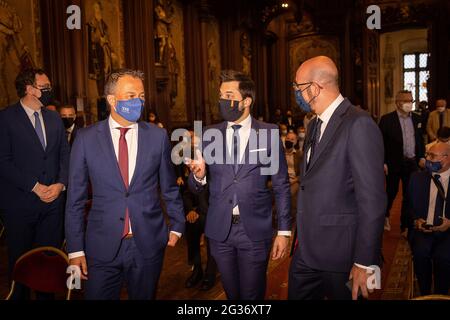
x,y
46,97
68,122
288,144
229,109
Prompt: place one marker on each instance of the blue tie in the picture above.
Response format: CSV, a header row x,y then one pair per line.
x,y
236,159
38,128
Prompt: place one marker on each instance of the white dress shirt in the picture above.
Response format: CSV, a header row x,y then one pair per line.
x,y
433,194
244,135
69,132
326,116
30,113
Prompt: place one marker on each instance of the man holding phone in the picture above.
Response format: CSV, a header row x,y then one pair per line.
x,y
430,240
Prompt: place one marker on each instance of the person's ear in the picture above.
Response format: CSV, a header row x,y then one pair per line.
x,y
248,102
111,100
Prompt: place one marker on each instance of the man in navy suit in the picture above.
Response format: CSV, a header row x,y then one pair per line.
x,y
128,164
239,219
34,161
430,239
341,200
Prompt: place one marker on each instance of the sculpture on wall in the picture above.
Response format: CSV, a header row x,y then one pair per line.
x,y
12,49
246,51
164,12
388,64
173,67
100,50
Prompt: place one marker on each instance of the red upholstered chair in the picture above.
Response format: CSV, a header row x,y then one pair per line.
x,y
42,269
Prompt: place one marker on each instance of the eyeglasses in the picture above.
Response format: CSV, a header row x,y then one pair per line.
x,y
45,88
297,86
433,156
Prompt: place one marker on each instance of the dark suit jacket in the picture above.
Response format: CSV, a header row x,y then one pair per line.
x,y
73,135
93,158
341,201
393,140
23,161
419,196
254,197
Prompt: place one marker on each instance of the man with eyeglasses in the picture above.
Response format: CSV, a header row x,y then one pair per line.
x,y
341,198
403,152
34,161
430,238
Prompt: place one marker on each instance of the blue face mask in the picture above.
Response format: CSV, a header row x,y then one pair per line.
x,y
305,106
433,166
130,109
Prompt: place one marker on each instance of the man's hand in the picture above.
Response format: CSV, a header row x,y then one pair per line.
x,y
40,190
386,171
359,276
180,181
53,192
173,238
192,216
443,227
419,226
81,263
280,246
197,167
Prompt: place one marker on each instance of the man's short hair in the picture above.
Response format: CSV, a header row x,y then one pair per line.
x,y
111,82
26,78
403,92
68,106
443,133
246,84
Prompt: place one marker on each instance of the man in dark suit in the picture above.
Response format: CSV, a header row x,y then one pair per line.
x,y
126,233
239,220
403,151
68,115
430,239
341,200
34,161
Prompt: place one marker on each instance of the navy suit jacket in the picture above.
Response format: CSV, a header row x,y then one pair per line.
x,y
341,200
23,160
254,197
93,159
419,196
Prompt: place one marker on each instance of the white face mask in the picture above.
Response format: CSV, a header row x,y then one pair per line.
x,y
407,107
440,109
302,135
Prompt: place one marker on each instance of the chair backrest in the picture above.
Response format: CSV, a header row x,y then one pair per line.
x,y
42,269
432,297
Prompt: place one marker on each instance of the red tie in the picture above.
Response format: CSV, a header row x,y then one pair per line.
x,y
123,165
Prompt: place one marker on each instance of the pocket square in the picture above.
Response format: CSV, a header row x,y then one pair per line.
x,y
257,150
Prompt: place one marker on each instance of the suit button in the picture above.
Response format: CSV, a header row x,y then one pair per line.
x,y
127,194
234,180
230,201
303,188
122,219
44,173
45,158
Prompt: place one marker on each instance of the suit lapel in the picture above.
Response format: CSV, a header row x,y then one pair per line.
x,y
25,121
107,146
227,160
141,151
329,133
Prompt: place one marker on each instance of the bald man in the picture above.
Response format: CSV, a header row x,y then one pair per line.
x,y
341,200
430,239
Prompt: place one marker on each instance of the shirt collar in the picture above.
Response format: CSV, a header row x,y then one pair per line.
x,y
401,115
245,124
444,175
71,128
114,125
328,113
30,112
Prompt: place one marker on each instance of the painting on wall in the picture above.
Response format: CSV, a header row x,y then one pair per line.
x,y
105,48
304,48
169,53
20,44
